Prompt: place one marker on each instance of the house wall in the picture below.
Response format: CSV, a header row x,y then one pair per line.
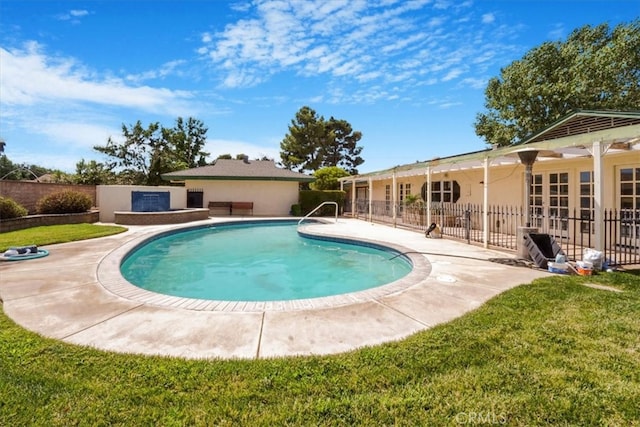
x,y
270,198
112,198
506,183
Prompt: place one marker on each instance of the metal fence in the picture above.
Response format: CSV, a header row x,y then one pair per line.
x,y
574,233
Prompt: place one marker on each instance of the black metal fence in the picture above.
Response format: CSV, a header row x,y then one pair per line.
x,y
575,232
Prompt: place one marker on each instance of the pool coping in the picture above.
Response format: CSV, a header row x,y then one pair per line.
x,y
59,297
111,278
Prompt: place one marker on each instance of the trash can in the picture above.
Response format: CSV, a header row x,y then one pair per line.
x,y
521,248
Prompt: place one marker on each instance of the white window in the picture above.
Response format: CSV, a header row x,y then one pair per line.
x,y
443,191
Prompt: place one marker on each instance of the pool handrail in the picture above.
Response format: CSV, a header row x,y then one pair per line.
x,y
318,207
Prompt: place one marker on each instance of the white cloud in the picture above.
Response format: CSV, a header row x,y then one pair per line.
x,y
73,15
354,42
452,74
488,18
206,38
557,32
475,83
219,147
30,77
168,69
57,103
78,13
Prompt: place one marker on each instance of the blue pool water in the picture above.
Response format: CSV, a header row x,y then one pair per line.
x,y
258,262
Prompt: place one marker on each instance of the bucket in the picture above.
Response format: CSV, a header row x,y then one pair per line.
x,y
584,268
559,268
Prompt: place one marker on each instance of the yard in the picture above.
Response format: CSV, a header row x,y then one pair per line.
x,y
552,352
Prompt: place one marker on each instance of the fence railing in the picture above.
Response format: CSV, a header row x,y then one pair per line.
x,y
574,232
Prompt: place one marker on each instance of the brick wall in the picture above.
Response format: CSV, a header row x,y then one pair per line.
x,y
27,193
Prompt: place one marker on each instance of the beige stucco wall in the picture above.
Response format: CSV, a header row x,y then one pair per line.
x,y
270,198
111,198
506,183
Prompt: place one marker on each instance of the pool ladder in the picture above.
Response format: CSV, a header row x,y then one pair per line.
x,y
318,207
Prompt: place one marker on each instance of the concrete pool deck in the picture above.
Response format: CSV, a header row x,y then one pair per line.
x,y
65,296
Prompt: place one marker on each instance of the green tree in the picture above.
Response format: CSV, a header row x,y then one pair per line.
x,y
147,153
24,171
94,173
327,178
142,157
341,147
313,142
60,177
187,140
595,68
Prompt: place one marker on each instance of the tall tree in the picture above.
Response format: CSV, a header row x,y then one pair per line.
x,y
142,157
313,143
147,153
341,147
595,68
187,140
94,173
299,148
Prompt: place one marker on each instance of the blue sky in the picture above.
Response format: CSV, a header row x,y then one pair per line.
x,y
410,75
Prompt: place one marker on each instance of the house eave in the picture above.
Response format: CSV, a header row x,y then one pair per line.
x,y
233,178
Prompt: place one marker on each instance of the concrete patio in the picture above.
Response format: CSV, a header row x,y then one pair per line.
x,y
76,295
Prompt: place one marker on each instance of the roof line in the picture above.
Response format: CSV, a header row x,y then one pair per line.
x,y
577,113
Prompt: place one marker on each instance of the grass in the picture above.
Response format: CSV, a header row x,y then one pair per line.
x,y
51,234
552,352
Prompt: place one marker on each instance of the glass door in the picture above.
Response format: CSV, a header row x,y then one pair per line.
x,y
537,202
630,204
550,203
559,204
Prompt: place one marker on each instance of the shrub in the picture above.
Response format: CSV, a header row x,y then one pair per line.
x,y
310,199
9,208
296,210
64,202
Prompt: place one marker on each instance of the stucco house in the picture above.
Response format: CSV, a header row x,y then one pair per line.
x,y
578,180
258,184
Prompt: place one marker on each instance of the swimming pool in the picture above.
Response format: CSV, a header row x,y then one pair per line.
x,y
259,261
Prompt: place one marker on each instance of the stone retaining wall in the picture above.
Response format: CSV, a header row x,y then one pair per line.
x,y
156,218
14,224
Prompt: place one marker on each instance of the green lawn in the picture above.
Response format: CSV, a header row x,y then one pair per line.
x,y
50,234
552,352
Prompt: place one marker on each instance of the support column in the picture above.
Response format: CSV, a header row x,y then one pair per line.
x,y
598,203
354,208
370,194
394,197
485,204
428,201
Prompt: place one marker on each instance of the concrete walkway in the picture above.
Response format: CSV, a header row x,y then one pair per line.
x,y
77,295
